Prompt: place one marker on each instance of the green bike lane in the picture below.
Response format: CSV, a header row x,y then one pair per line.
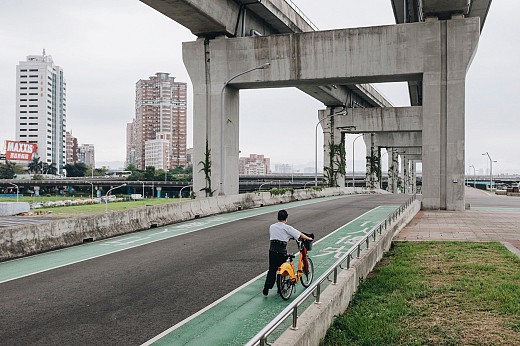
x,y
23,267
237,317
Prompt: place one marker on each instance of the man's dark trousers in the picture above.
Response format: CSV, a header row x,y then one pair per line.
x,y
276,259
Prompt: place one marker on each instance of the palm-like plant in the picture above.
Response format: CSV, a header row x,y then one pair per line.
x,y
36,166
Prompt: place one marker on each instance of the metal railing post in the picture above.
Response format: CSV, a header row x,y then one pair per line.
x,y
295,318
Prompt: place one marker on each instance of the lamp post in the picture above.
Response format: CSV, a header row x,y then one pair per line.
x,y
474,179
260,188
222,120
92,190
305,185
180,192
106,196
490,171
142,182
17,190
353,150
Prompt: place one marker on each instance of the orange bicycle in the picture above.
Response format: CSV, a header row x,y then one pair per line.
x,y
287,278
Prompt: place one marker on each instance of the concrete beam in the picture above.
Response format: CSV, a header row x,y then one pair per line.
x,y
375,120
398,139
381,54
409,151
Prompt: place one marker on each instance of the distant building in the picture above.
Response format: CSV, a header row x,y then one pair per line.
x,y
254,165
86,155
282,168
71,145
157,151
41,107
131,154
160,107
189,156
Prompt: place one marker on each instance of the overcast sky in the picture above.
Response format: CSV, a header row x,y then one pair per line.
x,y
106,46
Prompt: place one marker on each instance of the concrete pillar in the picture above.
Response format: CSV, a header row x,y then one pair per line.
x,y
404,174
215,149
393,170
373,162
413,169
443,115
334,153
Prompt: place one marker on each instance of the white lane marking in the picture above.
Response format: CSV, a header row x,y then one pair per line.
x,y
218,301
305,203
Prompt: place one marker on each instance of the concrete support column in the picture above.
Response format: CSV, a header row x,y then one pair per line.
x,y
413,177
446,63
373,162
404,174
215,149
393,170
334,153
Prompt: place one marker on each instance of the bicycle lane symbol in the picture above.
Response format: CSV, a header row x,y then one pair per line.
x,y
344,243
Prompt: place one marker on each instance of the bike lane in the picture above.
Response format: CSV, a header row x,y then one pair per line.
x,y
19,268
237,317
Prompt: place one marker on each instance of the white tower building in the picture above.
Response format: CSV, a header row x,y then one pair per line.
x,y
41,108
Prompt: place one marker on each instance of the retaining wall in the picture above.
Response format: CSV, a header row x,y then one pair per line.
x,y
35,238
13,208
314,322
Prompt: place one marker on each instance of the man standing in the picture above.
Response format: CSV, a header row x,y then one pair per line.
x,y
279,234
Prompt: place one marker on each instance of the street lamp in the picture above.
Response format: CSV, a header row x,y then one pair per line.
x,y
474,179
92,190
142,182
16,190
353,150
260,188
180,192
490,171
222,119
305,185
106,196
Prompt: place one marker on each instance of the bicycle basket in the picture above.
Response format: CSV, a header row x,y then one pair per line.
x,y
308,243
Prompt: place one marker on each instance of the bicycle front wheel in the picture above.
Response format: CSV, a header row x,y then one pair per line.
x,y
284,284
307,277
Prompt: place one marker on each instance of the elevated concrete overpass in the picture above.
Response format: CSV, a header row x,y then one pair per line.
x,y
248,44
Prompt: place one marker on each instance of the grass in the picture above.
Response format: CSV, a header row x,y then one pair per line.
x,y
88,209
435,293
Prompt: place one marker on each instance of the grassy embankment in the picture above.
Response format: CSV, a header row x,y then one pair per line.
x,y
88,209
436,293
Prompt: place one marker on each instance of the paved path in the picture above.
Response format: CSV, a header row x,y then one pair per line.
x,y
490,218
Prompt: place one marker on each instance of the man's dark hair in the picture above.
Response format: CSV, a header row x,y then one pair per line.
x,y
282,215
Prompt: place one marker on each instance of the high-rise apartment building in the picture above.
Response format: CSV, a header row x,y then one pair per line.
x,y
41,108
71,148
254,165
86,154
160,108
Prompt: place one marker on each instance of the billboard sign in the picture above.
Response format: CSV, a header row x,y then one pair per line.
x,y
19,151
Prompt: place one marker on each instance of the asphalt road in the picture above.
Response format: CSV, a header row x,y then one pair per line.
x,y
128,297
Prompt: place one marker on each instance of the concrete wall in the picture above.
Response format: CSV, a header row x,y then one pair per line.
x,y
13,208
314,322
35,238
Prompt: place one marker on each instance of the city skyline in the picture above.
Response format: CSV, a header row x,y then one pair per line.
x,y
100,51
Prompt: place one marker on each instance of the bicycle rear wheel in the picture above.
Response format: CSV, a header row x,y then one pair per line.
x,y
285,286
307,278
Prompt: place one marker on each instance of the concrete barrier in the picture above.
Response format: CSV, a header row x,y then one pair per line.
x,y
30,239
314,322
13,208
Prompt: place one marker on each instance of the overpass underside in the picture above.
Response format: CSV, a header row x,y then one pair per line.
x,y
335,66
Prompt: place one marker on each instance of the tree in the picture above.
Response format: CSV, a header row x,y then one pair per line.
x,y
77,169
36,166
7,170
149,173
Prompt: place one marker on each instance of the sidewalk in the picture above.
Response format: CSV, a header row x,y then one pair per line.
x,y
472,225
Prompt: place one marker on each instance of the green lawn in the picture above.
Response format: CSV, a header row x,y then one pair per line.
x,y
87,209
436,293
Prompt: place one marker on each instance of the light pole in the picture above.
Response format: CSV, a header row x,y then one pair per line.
x,y
353,150
260,188
92,190
180,192
305,185
106,196
17,190
142,182
474,179
222,121
490,171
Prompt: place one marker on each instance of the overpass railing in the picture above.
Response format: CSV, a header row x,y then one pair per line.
x,y
315,288
300,12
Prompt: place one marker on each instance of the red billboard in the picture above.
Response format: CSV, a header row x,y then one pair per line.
x,y
19,151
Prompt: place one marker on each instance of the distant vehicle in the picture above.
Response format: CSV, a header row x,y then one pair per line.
x,y
118,174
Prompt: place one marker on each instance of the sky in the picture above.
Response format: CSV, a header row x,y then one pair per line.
x,y
106,46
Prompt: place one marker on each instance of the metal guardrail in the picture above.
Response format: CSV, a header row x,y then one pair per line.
x,y
315,288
